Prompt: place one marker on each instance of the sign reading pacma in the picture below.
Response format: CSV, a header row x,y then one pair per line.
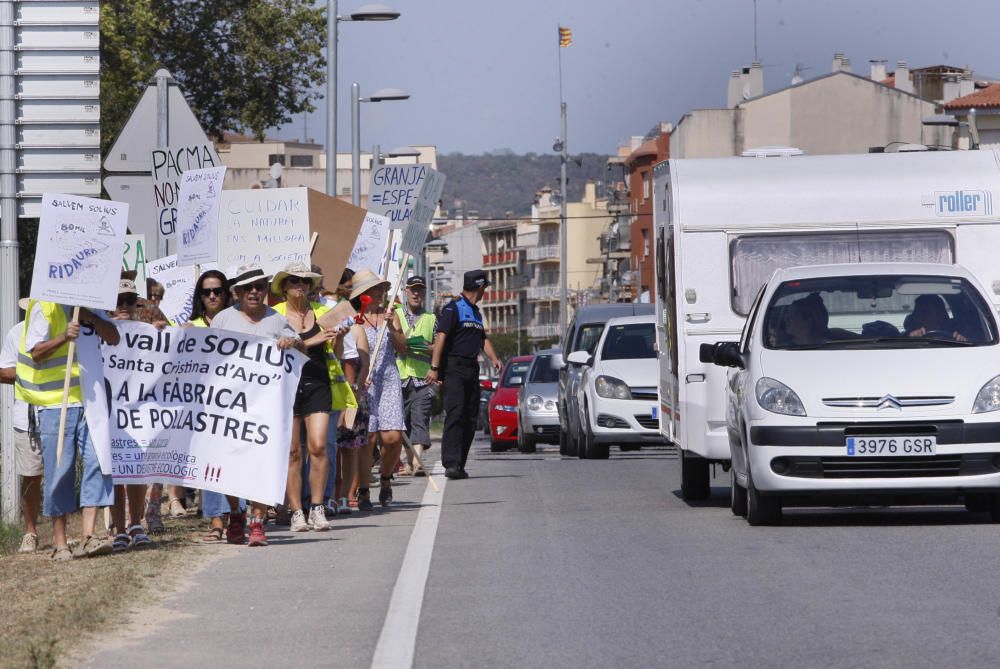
x,y
198,407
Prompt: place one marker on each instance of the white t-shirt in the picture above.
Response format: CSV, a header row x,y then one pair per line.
x,y
350,347
8,358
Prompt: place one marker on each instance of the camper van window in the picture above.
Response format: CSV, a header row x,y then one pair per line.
x,y
878,312
753,258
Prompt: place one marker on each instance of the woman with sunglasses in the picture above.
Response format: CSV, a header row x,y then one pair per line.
x,y
315,397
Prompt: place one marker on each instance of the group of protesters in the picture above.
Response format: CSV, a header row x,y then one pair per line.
x,y
358,399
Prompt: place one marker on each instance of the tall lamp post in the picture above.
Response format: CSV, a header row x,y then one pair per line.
x,y
356,100
369,12
563,232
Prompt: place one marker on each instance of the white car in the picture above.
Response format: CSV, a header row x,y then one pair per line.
x,y
617,395
871,379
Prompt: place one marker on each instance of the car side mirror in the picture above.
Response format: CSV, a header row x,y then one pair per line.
x,y
722,353
578,358
516,380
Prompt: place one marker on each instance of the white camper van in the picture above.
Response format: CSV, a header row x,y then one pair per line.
x,y
724,225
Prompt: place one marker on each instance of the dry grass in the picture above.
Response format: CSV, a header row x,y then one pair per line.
x,y
48,608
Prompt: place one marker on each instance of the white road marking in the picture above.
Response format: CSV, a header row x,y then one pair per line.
x,y
398,641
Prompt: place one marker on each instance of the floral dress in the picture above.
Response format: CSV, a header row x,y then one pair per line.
x,y
385,395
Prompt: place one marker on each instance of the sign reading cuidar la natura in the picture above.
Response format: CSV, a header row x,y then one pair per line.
x,y
78,257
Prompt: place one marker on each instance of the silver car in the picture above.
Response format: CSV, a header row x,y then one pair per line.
x,y
537,402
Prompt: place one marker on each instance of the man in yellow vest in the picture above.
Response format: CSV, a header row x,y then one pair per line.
x,y
418,395
41,371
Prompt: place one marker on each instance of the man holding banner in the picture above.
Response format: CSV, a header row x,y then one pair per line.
x,y
41,370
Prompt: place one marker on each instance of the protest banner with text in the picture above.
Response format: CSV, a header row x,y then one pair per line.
x,y
393,191
199,407
168,166
78,255
198,216
178,285
369,249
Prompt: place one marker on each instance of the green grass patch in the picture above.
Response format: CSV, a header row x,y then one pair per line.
x,y
10,537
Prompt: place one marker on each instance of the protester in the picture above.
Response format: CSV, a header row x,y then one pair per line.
x,y
252,316
352,436
27,449
385,396
211,296
460,338
418,395
132,495
314,397
41,368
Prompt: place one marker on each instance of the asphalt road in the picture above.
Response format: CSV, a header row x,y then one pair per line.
x,y
540,561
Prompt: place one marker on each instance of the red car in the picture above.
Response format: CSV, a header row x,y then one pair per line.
x,y
503,404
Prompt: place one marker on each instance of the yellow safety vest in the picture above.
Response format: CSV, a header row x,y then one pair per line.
x,y
343,395
416,364
41,383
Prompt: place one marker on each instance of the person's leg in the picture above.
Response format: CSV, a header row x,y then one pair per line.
x,y
176,493
96,489
31,497
454,403
366,456
333,475
118,510
392,442
349,478
58,497
470,413
293,488
319,462
420,416
29,465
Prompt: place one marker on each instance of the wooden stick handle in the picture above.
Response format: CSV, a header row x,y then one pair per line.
x,y
67,380
312,244
384,326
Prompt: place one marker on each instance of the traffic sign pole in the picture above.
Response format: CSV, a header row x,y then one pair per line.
x,y
163,79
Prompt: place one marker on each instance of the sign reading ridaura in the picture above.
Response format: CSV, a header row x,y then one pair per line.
x,y
79,251
268,227
168,165
198,216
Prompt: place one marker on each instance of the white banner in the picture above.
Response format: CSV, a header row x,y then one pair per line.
x,y
168,166
79,251
369,249
394,190
198,407
198,216
178,284
415,232
267,227
392,256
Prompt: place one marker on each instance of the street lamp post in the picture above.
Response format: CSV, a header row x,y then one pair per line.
x,y
563,232
364,13
356,100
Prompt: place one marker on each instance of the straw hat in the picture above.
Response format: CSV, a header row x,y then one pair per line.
x,y
294,269
364,281
248,274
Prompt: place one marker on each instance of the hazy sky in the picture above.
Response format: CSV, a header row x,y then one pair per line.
x,y
483,74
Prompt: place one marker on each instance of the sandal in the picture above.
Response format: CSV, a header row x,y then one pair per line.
x,y
139,537
121,543
61,554
214,536
385,490
364,500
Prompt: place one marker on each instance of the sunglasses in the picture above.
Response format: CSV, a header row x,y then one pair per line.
x,y
205,292
293,280
260,287
127,300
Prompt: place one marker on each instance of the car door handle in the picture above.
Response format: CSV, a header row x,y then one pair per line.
x,y
698,318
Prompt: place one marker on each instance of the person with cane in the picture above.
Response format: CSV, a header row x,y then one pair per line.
x,y
460,337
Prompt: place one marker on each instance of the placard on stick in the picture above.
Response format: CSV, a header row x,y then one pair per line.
x,y
168,166
393,191
198,215
337,223
369,248
415,232
78,258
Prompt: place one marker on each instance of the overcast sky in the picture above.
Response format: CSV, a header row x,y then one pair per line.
x,y
483,74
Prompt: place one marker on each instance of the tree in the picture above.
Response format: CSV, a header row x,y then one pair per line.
x,y
244,65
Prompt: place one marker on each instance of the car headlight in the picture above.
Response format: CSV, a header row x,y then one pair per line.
x,y
776,397
506,407
550,405
612,388
988,398
535,403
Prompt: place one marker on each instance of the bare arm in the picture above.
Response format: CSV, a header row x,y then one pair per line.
x,y
7,374
439,339
491,354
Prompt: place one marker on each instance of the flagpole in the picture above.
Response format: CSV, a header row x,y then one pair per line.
x,y
559,47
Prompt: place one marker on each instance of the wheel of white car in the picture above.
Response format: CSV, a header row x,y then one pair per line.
x,y
761,509
737,495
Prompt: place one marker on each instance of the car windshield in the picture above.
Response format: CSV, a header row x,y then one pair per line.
x,y
588,337
516,370
544,370
883,311
627,342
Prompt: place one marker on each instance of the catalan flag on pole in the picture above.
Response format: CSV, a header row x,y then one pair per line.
x,y
565,36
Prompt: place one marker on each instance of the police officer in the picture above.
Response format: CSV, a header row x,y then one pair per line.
x,y
459,339
418,395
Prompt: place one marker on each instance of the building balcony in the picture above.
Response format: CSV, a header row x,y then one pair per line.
x,y
543,331
545,292
543,253
492,298
500,259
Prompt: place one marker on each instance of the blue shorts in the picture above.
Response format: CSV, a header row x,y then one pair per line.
x,y
215,504
96,489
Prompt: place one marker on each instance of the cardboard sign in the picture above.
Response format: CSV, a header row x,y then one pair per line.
x,y
79,251
168,166
369,249
394,190
134,260
198,215
415,232
178,286
335,317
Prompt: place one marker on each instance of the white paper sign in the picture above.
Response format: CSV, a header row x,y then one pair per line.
x,y
168,166
198,215
392,256
267,227
178,284
79,251
369,249
95,401
415,232
394,190
198,407
134,259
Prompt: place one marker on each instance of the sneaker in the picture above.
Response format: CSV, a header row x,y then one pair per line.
x,y
345,507
330,508
237,528
94,546
29,543
257,536
453,473
177,509
61,554
299,523
317,518
364,500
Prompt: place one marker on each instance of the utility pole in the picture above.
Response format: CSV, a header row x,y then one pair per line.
x,y
563,236
11,499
